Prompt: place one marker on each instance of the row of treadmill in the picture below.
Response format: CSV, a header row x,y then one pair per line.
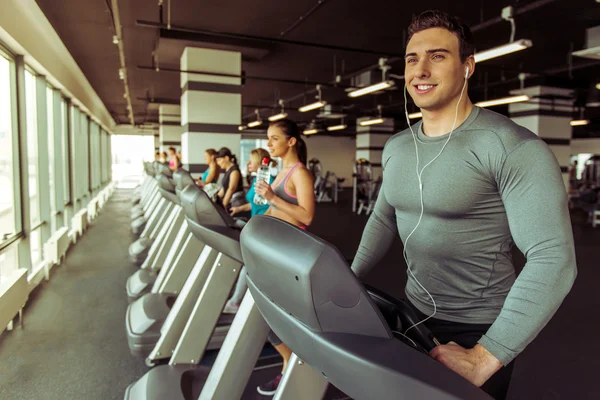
x,y
346,337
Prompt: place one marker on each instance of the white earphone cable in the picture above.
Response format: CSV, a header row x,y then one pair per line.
x,y
419,178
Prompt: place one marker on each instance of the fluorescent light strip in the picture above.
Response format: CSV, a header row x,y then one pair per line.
x,y
312,106
370,89
371,122
254,123
579,122
277,117
503,100
415,115
337,127
508,48
310,131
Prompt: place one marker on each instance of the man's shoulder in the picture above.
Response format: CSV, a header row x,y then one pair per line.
x,y
502,129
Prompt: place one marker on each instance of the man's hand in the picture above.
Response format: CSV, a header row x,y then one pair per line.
x,y
476,365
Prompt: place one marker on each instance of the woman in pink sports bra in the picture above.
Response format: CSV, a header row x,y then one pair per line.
x,y
291,198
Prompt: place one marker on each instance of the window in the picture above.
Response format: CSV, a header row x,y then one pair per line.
x,y
64,115
32,147
128,155
51,179
7,182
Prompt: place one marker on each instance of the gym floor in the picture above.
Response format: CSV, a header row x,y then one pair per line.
x,y
72,344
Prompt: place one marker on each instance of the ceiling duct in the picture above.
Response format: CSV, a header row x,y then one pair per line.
x,y
592,41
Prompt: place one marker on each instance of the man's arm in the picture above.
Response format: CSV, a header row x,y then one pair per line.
x,y
535,200
377,237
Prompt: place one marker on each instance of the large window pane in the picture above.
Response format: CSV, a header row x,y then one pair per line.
x,y
32,148
129,154
7,184
51,180
65,150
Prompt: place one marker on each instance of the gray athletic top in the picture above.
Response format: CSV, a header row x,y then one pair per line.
x,y
496,184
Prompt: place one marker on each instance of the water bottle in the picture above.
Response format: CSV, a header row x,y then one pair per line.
x,y
263,174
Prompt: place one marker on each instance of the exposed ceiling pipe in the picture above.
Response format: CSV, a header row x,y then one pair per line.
x,y
303,18
150,24
518,11
478,27
119,35
250,77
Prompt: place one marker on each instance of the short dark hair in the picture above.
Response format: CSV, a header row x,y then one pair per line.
x,y
225,152
440,19
173,149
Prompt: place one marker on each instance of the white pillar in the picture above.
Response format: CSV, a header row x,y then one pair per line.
x,y
548,115
210,105
370,141
170,129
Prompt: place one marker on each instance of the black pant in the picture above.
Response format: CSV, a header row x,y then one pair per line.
x,y
467,335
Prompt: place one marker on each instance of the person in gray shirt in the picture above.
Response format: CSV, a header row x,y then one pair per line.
x,y
461,188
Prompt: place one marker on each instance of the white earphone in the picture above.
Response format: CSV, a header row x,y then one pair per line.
x,y
420,180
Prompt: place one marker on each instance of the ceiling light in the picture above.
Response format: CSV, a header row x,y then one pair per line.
x,y
415,115
310,131
508,48
241,128
337,127
279,116
598,86
580,122
313,106
254,123
371,89
504,100
371,122
257,122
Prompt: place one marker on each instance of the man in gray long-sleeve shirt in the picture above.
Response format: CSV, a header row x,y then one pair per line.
x,y
494,184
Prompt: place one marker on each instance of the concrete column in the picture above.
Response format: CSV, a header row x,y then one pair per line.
x,y
170,130
370,141
548,115
210,105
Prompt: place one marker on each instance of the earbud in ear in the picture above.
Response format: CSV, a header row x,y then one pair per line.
x,y
467,73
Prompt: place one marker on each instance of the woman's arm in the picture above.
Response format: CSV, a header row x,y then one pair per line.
x,y
242,208
304,212
234,178
212,174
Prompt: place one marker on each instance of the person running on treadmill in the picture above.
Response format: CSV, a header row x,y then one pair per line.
x,y
174,161
291,198
461,191
212,172
256,157
233,187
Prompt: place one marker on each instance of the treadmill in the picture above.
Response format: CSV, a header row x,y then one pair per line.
x,y
315,304
145,225
155,321
162,251
237,360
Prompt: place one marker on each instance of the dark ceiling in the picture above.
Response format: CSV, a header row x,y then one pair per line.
x,y
366,29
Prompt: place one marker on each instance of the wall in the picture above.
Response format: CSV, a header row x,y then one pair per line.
x,y
336,154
